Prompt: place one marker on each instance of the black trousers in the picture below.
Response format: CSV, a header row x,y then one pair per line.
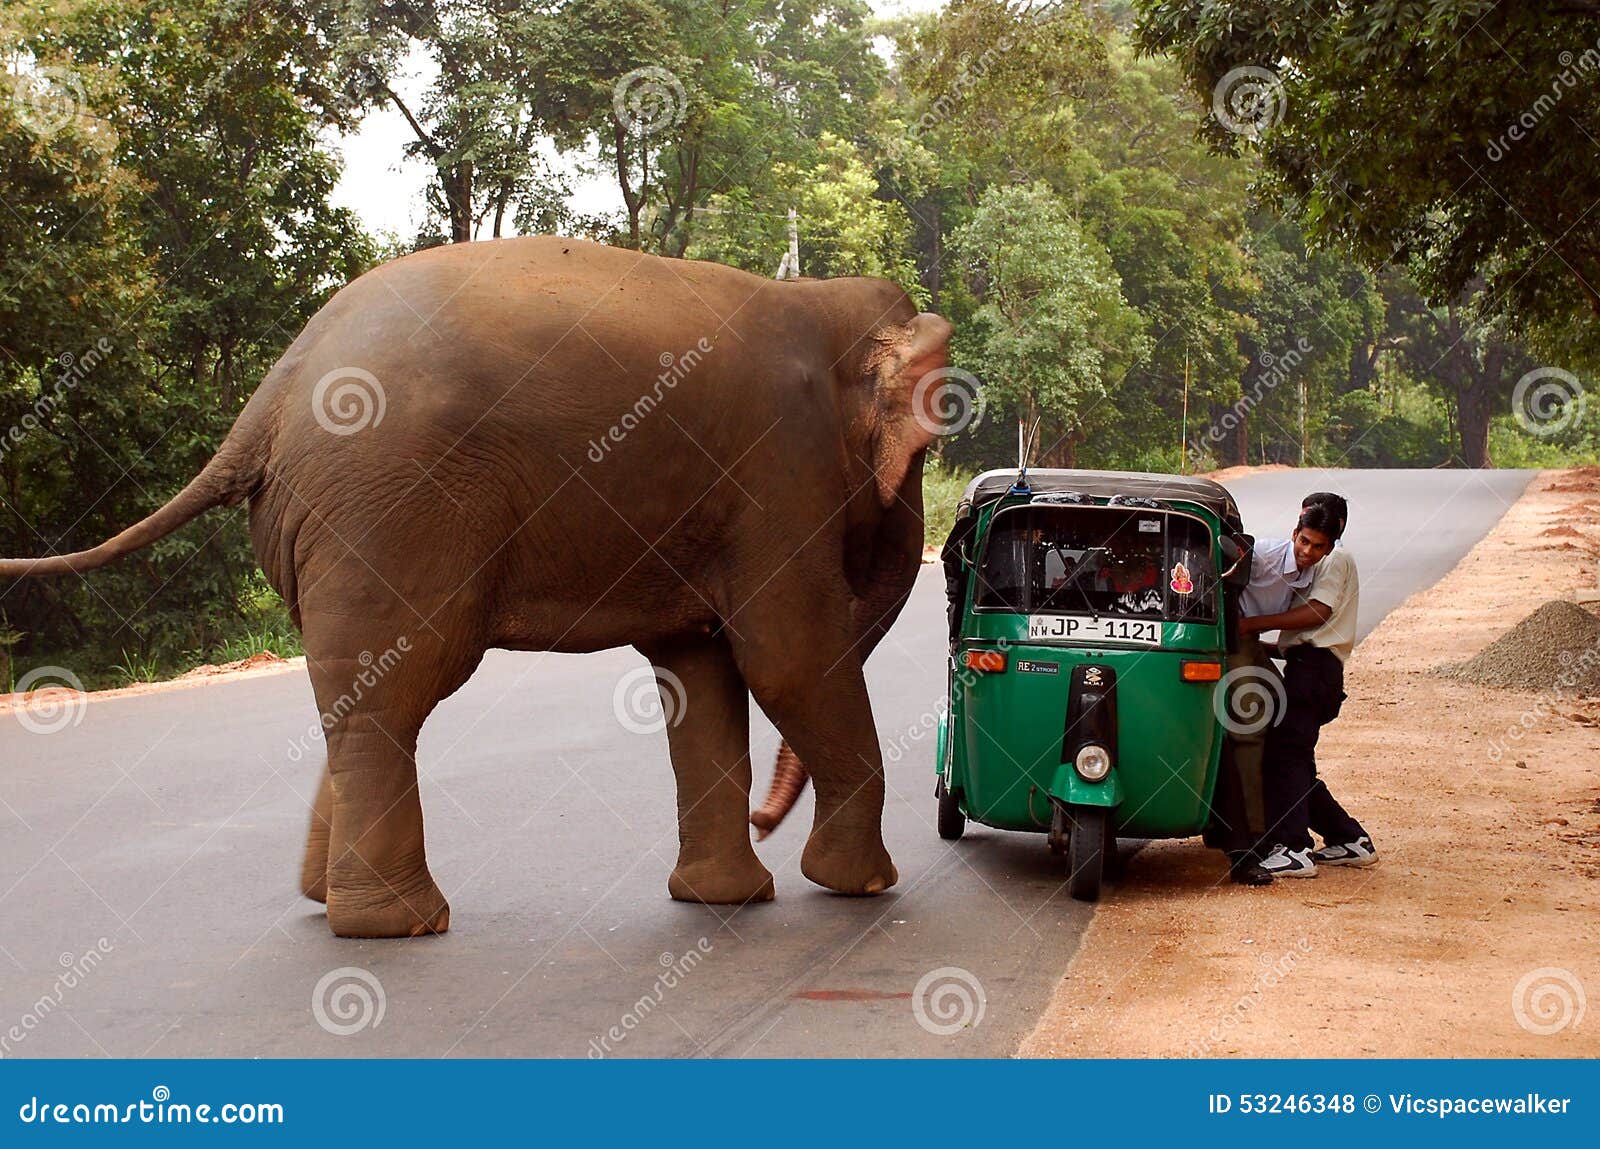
x,y
1238,804
1297,800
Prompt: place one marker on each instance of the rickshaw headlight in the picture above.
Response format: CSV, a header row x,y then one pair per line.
x,y
1093,763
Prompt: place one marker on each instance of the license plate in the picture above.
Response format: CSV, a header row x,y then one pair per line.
x,y
1086,629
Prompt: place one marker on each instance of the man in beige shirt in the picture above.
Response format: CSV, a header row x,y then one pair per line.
x,y
1316,637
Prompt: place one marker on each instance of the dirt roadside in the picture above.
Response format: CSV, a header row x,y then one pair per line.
x,y
1477,934
51,693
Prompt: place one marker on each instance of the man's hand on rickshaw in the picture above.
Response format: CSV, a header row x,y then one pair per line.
x,y
788,780
1300,618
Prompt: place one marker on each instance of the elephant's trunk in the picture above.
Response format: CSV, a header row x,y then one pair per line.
x,y
788,779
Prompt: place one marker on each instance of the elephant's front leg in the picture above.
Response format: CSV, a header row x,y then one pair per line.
x,y
708,728
816,696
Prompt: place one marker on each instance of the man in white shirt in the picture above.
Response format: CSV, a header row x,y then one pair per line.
x,y
1239,810
1276,572
1316,637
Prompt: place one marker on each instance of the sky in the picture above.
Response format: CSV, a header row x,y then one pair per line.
x,y
385,188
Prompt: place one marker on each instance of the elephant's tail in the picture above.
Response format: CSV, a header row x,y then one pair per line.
x,y
231,475
788,780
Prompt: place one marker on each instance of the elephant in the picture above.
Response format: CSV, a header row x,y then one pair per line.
x,y
549,444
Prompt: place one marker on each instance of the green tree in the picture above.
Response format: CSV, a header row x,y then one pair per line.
x,y
1052,332
198,243
495,85
1463,356
1309,314
715,99
1173,217
844,228
1454,136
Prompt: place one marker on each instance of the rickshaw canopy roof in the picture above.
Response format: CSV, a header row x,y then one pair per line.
x,y
1213,496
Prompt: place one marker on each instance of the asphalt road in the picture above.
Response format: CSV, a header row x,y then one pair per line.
x,y
148,857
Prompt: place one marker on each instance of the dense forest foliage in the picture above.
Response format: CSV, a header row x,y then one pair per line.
x,y
1171,235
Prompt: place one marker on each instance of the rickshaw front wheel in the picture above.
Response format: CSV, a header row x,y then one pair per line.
x,y
1086,852
952,822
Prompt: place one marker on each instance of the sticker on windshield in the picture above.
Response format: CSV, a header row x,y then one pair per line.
x,y
1181,582
1150,526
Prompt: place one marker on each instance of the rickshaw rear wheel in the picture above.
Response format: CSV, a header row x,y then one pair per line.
x,y
952,822
1086,852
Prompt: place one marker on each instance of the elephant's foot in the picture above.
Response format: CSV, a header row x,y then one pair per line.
x,y
407,909
848,863
715,882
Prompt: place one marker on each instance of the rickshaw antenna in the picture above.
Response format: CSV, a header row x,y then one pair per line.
x,y
1025,444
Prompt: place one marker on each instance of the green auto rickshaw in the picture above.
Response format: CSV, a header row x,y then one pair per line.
x,y
1091,614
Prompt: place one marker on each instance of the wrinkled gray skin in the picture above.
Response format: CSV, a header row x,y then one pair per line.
x,y
754,531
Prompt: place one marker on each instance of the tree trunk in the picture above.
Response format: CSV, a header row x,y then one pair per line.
x,y
1474,411
1062,453
457,184
631,201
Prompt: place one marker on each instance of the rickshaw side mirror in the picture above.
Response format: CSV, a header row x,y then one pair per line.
x,y
1236,559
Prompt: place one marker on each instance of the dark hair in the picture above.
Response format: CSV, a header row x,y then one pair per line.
x,y
1322,518
1330,500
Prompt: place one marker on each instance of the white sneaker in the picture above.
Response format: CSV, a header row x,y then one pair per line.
x,y
1286,863
1361,852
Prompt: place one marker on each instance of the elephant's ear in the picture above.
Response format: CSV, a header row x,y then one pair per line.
x,y
907,367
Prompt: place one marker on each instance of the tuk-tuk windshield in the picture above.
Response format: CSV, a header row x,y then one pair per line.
x,y
1128,561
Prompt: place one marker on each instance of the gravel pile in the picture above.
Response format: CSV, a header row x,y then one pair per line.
x,y
1557,647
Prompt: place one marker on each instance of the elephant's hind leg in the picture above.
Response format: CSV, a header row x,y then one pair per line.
x,y
373,705
708,727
